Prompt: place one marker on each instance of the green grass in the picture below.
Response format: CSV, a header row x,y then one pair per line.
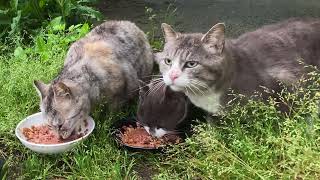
x,y
248,142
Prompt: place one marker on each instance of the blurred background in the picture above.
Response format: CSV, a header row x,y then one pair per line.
x,y
200,15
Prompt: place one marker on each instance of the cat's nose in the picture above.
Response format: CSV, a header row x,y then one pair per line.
x,y
174,74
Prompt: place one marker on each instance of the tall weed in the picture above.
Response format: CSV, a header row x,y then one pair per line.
x,y
255,141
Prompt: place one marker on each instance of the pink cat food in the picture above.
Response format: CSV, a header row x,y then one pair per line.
x,y
139,137
44,135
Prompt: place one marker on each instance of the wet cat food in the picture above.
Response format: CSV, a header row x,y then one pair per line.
x,y
44,135
139,137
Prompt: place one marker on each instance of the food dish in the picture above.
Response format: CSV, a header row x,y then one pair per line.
x,y
38,120
140,139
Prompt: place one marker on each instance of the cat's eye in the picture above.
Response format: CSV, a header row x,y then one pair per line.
x,y
168,61
191,64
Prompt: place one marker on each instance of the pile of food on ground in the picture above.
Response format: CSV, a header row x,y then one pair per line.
x,y
139,137
44,135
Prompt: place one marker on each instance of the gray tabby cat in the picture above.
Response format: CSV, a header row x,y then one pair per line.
x,y
106,64
205,66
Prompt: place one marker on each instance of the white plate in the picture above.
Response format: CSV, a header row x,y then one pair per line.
x,y
37,119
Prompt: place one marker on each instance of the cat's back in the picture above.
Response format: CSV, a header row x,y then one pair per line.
x,y
287,41
126,44
119,32
272,53
286,33
123,36
129,45
292,33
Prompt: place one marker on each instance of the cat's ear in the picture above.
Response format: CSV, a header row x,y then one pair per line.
x,y
169,33
214,39
41,88
61,90
143,88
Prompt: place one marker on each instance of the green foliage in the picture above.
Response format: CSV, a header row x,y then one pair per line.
x,y
154,21
28,15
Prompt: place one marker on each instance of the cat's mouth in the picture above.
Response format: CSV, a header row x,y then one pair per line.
x,y
176,85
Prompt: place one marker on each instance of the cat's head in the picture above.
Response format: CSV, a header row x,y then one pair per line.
x,y
160,109
193,63
63,108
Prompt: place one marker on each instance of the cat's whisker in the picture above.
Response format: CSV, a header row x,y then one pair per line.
x,y
139,88
153,76
149,90
191,90
199,83
155,82
155,88
156,79
196,88
164,92
152,89
160,85
186,89
199,86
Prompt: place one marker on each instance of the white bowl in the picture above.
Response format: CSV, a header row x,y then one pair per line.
x,y
37,119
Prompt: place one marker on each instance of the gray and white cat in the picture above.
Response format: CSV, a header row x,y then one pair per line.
x,y
205,66
106,64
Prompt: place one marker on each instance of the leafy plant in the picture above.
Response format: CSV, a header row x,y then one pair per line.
x,y
154,20
76,11
27,15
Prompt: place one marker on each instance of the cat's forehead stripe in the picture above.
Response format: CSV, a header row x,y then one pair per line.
x,y
185,55
49,101
181,55
188,54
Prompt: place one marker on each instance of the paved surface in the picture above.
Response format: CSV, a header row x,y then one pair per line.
x,y
200,15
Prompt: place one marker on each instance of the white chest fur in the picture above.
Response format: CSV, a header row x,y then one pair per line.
x,y
209,102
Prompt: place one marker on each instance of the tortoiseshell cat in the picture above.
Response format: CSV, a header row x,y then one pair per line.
x,y
206,66
105,64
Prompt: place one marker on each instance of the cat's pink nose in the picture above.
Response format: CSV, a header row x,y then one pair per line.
x,y
174,74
